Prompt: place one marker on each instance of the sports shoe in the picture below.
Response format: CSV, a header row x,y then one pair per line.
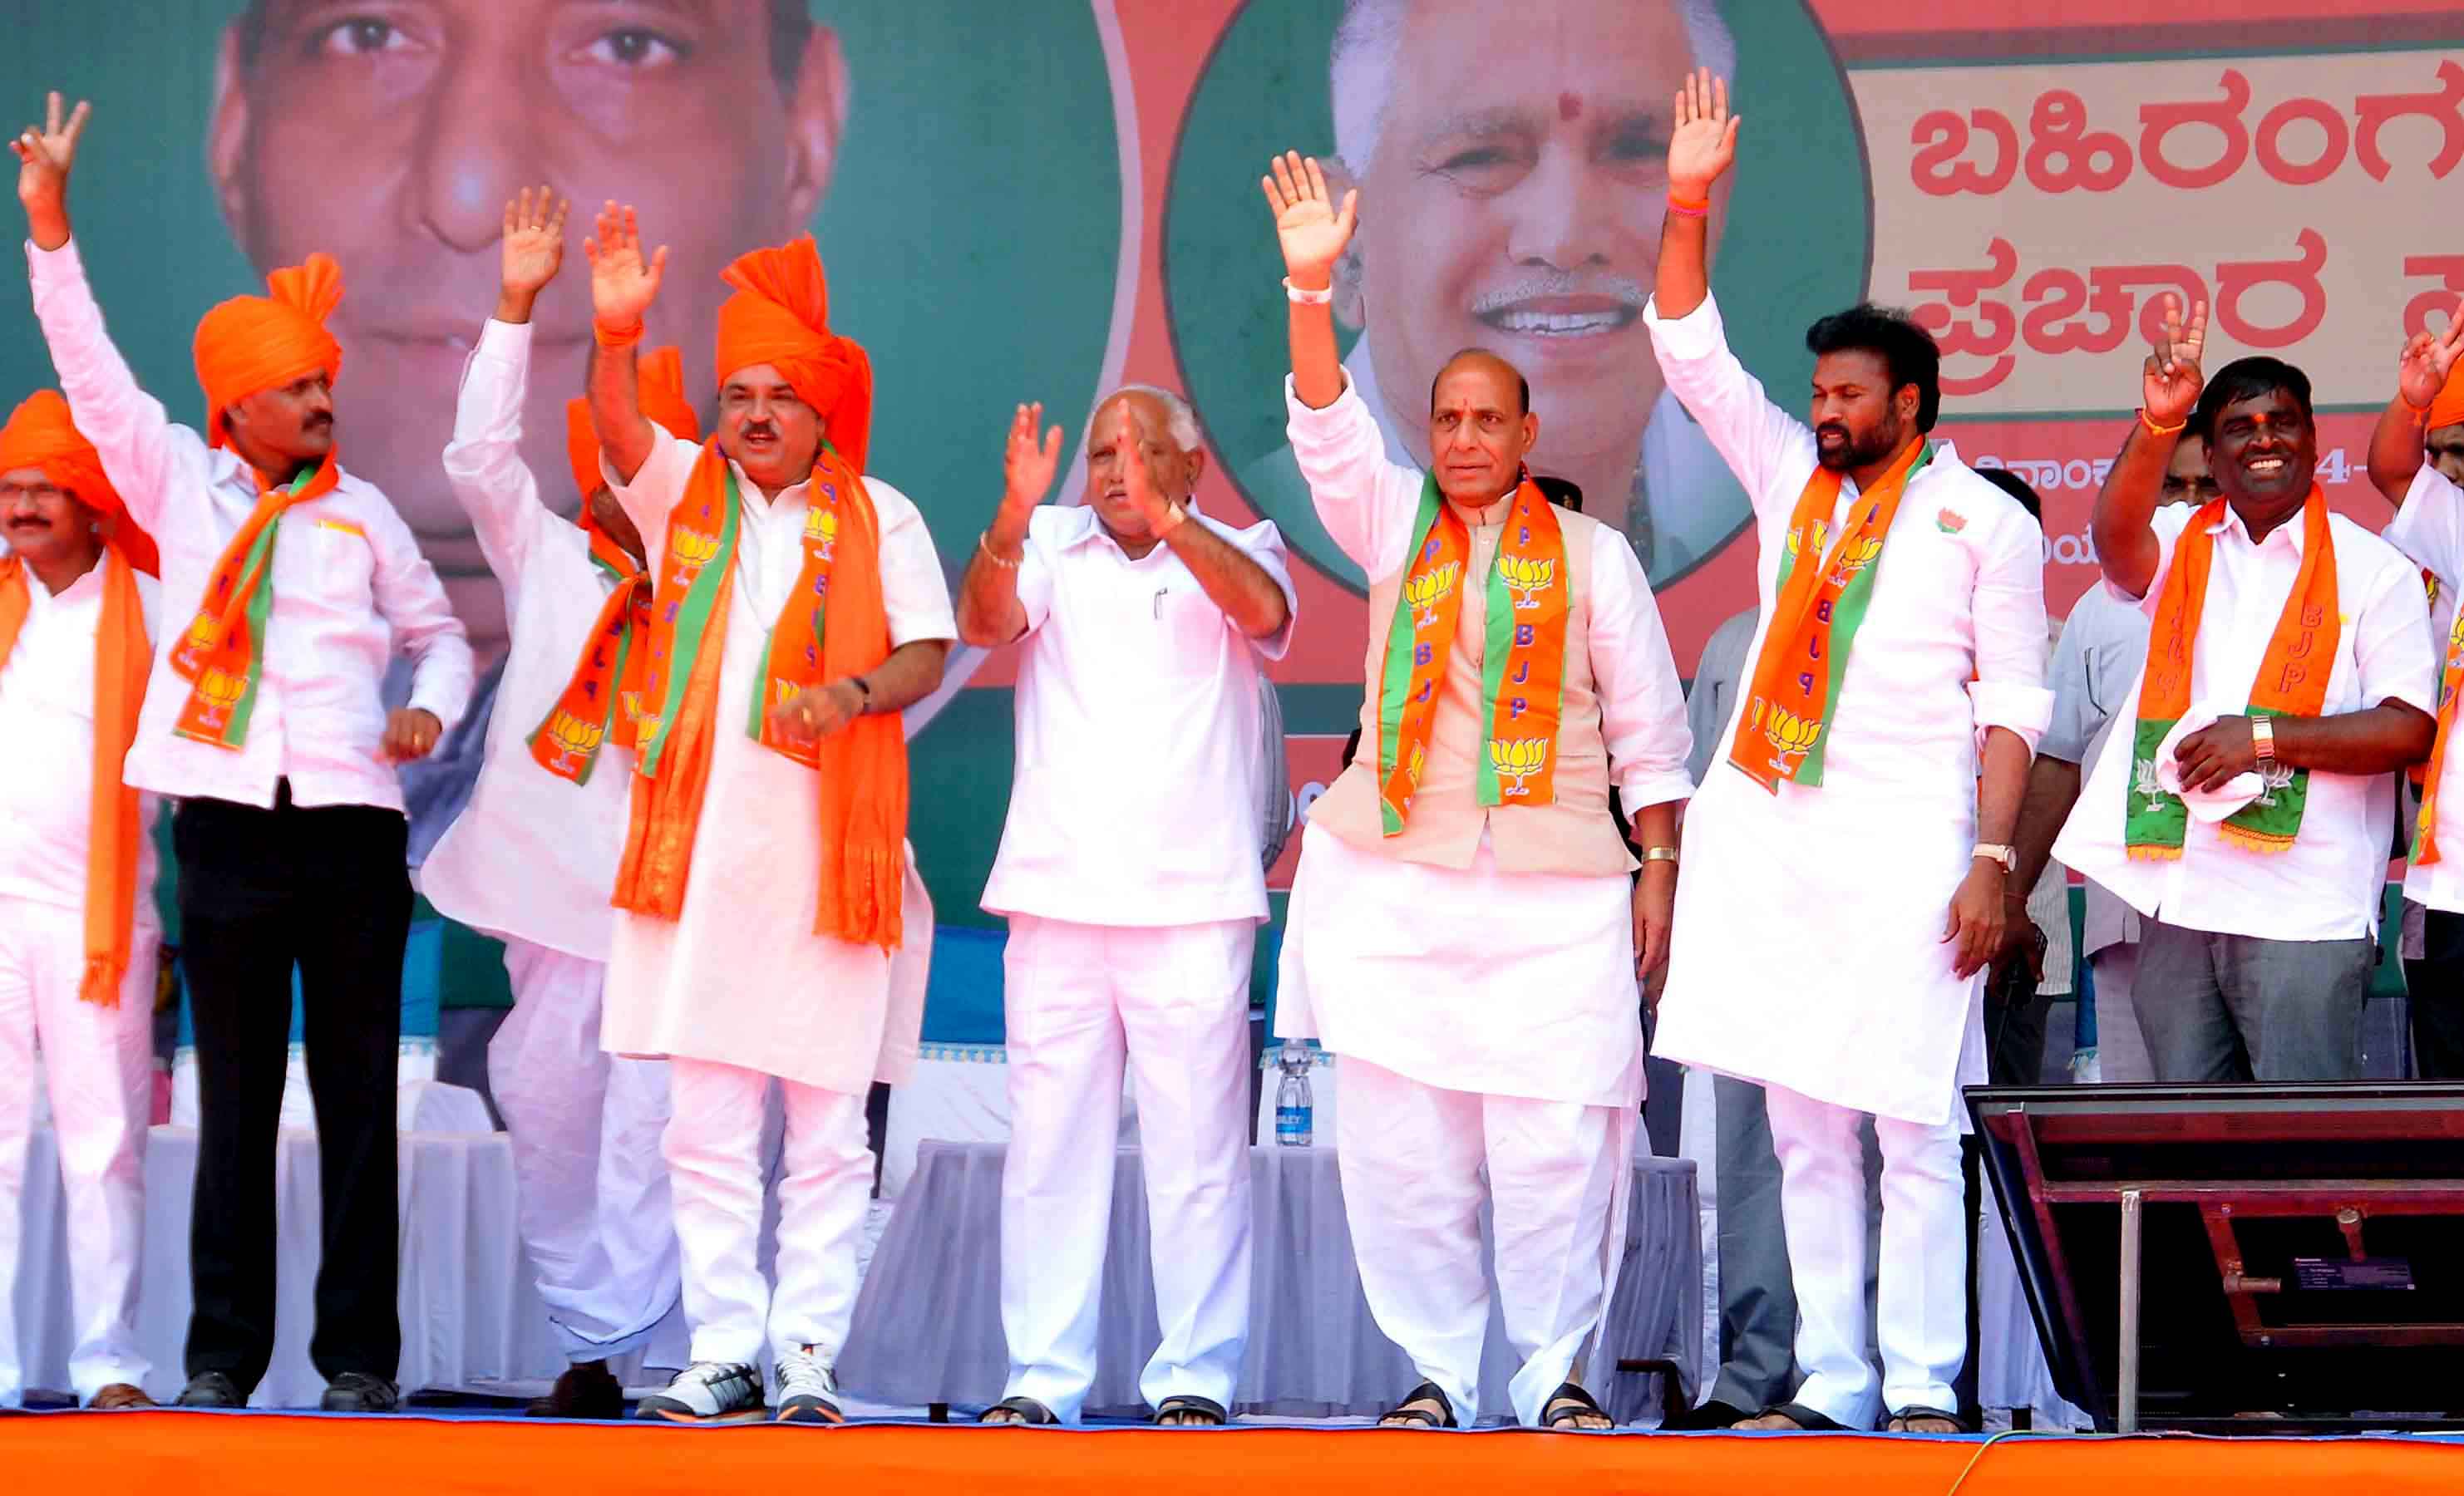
x,y
708,1391
357,1392
587,1389
807,1389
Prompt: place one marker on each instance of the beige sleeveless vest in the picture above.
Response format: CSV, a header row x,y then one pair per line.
x,y
1577,834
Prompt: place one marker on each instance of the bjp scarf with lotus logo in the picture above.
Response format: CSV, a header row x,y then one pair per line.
x,y
1523,665
1814,624
222,656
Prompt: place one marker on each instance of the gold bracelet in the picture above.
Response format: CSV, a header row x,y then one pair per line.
x,y
1666,854
984,543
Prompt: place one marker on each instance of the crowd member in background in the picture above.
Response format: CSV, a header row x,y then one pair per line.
x,y
1132,897
766,882
1897,683
2244,813
1465,934
78,927
289,583
2417,459
2096,661
532,857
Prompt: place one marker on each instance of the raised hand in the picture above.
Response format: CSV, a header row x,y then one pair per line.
x,y
533,249
44,156
1312,230
623,281
1704,141
1027,464
1138,484
2171,379
2421,372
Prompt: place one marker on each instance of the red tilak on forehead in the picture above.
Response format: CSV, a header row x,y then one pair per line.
x,y
1569,107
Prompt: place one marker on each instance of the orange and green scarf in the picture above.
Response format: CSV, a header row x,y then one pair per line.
x,y
1523,667
2451,685
835,623
1813,625
2292,682
613,670
122,656
222,657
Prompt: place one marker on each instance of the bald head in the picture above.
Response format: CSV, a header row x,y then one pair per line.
x,y
1483,359
1159,427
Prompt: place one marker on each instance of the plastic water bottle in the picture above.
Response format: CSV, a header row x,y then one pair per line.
x,y
1294,1115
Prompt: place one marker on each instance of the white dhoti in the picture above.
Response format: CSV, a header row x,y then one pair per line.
x,y
1836,900
586,1128
98,1063
1486,1021
1173,1004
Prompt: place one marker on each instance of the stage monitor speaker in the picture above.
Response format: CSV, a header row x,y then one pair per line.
x,y
2251,1259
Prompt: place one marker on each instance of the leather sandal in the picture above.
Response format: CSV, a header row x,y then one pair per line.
x,y
1404,1414
1568,1403
1027,1411
1195,1412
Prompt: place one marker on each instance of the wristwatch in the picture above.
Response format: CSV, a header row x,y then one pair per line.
x,y
2262,739
2007,856
864,688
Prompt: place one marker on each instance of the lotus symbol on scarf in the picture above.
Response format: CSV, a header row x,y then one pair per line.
x,y
201,632
1822,538
693,548
1528,575
1856,555
2273,774
574,735
2144,781
1518,759
1790,733
1419,761
222,688
1427,589
822,525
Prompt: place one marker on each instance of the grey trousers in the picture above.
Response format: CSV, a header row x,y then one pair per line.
x,y
1757,1293
2227,1007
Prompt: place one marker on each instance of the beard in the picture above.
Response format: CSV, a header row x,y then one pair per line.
x,y
1861,451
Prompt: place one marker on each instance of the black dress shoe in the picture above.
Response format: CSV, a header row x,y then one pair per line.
x,y
587,1389
357,1391
1709,1415
212,1390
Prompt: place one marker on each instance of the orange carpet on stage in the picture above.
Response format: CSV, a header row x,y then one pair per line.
x,y
235,1453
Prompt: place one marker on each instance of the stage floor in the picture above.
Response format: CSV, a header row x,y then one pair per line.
x,y
307,1454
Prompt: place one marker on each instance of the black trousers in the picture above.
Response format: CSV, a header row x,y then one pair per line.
x,y
2434,986
261,891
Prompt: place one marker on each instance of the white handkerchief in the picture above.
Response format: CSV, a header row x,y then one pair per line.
x,y
2203,804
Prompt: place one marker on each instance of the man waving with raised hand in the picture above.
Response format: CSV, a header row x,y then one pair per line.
x,y
1466,931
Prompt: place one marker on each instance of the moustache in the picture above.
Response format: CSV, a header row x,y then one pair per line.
x,y
1530,287
1831,428
321,421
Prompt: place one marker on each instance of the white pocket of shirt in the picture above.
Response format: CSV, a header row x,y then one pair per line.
x,y
344,566
1192,628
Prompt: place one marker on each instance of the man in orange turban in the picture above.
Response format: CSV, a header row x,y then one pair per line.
x,y
290,584
2417,461
532,855
78,927
765,889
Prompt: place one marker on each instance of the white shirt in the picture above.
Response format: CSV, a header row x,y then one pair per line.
x,y
1140,763
350,589
2429,529
2326,884
47,720
2096,670
1860,870
532,856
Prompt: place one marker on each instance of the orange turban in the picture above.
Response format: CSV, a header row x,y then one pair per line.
x,y
662,383
252,343
40,434
2448,409
780,316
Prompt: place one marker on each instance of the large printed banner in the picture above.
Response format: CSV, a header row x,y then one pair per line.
x,y
1042,199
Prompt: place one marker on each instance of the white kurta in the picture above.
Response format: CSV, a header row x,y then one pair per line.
x,y
1808,948
532,857
2430,531
739,978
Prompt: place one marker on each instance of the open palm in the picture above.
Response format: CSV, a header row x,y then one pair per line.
x,y
45,154
1028,466
2428,361
1312,228
2171,380
1703,145
623,281
533,242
